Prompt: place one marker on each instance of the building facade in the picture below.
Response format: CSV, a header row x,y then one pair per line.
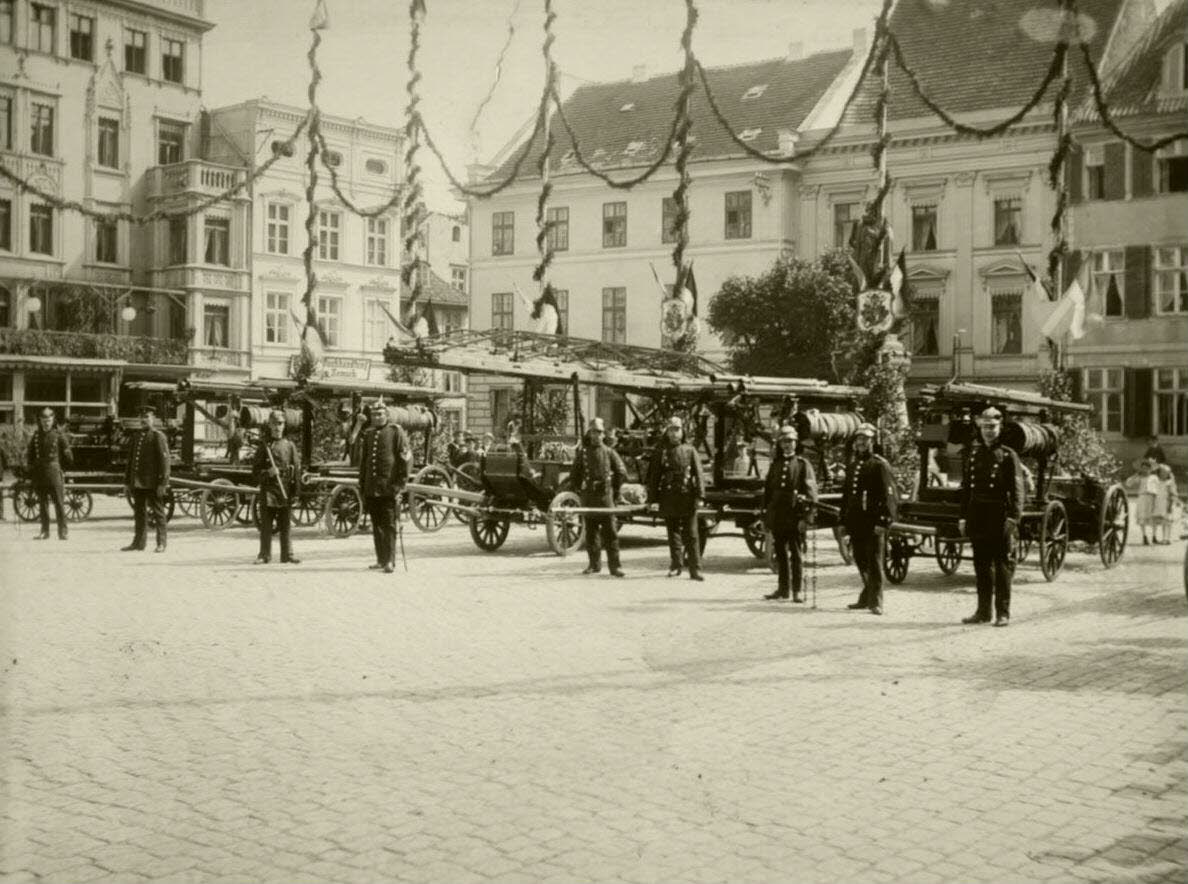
x,y
101,103
447,239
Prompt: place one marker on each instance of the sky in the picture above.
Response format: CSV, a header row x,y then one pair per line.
x,y
258,47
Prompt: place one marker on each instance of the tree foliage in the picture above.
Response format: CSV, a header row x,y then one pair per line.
x,y
1082,450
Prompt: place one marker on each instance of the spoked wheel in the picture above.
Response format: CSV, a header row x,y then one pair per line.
x,y
24,501
471,482
1053,539
188,502
245,514
307,508
1023,546
845,548
896,557
563,530
78,504
489,532
948,555
217,508
1113,526
344,510
427,512
755,535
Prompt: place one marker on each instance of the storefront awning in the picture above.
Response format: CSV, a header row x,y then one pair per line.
x,y
20,362
157,371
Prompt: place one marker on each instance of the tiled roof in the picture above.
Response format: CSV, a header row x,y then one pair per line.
x,y
624,124
442,294
977,55
1134,87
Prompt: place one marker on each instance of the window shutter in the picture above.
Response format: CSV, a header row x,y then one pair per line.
x,y
1115,171
1137,406
1142,173
1138,276
1074,173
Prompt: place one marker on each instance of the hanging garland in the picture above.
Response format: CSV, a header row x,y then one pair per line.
x,y
1056,177
543,247
414,199
680,195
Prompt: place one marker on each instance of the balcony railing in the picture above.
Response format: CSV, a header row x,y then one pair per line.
x,y
85,345
219,357
187,276
192,176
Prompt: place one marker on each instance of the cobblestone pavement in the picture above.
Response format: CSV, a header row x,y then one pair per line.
x,y
190,717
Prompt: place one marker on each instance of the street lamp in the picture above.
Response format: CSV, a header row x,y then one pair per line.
x,y
128,313
33,304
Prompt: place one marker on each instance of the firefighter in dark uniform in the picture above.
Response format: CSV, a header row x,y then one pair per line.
x,y
676,484
992,495
869,505
789,493
146,479
49,451
276,468
597,476
383,455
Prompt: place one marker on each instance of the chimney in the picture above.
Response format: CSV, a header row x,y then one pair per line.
x,y
639,73
860,41
795,51
787,142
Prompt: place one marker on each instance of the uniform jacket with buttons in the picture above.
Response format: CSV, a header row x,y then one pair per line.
x,y
869,499
598,474
674,478
148,460
48,452
288,467
992,489
790,488
384,454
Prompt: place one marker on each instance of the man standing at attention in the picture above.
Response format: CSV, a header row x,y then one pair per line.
x,y
277,471
788,495
48,451
146,479
383,458
597,476
869,505
992,495
675,483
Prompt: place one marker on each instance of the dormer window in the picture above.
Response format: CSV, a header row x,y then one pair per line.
x,y
754,92
749,134
629,106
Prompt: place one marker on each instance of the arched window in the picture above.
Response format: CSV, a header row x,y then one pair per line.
x,y
456,233
377,167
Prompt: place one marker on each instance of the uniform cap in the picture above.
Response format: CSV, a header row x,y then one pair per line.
x,y
276,417
598,424
866,429
146,409
675,423
990,415
46,412
787,431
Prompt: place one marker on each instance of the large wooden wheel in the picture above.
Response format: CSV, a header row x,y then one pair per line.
x,y
426,512
755,535
489,532
563,530
78,504
845,547
188,501
948,555
1053,539
344,510
1113,526
468,478
307,507
217,507
896,556
25,502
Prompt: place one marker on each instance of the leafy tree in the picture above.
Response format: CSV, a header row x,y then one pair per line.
x,y
1082,450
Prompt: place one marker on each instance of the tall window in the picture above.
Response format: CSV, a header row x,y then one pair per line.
x,y
82,37
276,318
5,317
1095,172
1171,279
330,319
41,229
277,229
558,221
216,321
614,315
179,247
328,234
5,122
375,326
106,241
845,216
456,233
503,233
458,277
42,134
502,311
668,213
41,28
109,143
1171,402
1109,281
925,326
135,51
614,225
1006,323
173,60
738,215
171,143
6,21
1008,221
1173,174
1103,390
924,229
6,225
217,245
377,242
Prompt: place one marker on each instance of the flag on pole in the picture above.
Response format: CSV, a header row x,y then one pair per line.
x,y
400,326
690,286
1037,300
897,279
659,285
